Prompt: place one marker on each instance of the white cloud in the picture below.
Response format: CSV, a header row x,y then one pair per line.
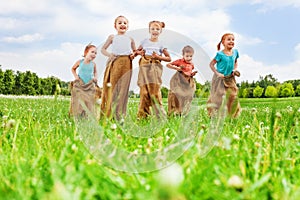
x,y
29,7
23,38
101,7
54,62
251,70
8,23
267,5
297,51
201,20
248,40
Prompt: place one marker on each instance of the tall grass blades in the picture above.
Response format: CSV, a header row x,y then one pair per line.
x,y
44,154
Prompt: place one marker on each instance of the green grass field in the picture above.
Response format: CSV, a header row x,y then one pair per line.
x,y
44,154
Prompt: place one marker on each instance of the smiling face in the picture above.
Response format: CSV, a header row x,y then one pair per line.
x,y
188,57
155,30
91,53
228,41
121,24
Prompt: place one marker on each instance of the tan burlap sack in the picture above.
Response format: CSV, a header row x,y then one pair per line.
x,y
219,88
116,84
82,99
181,93
149,81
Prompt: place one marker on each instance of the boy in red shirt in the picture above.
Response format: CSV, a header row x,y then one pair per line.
x,y
182,84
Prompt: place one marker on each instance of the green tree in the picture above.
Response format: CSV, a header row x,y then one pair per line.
x,y
164,92
8,81
37,83
295,83
1,81
54,82
198,89
244,85
202,90
65,90
245,93
28,84
46,86
19,78
286,90
258,91
206,89
131,94
297,91
271,91
266,81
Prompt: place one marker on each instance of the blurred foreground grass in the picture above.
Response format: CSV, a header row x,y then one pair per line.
x,y
257,156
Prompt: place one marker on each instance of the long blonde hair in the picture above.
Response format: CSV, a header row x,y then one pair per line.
x,y
222,39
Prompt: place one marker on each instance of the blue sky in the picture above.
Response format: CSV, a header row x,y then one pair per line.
x,y
48,36
278,30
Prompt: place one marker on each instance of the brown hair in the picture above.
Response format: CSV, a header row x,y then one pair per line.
x,y
222,39
187,49
87,48
120,17
161,24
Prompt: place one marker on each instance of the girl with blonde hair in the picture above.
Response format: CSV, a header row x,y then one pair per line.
x,y
153,52
118,70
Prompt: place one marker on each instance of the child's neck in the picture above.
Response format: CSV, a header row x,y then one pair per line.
x,y
86,60
228,51
153,39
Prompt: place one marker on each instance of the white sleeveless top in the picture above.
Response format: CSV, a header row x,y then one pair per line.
x,y
121,45
151,47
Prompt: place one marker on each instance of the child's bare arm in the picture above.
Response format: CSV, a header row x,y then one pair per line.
x,y
212,67
171,66
140,51
95,79
74,67
166,57
106,45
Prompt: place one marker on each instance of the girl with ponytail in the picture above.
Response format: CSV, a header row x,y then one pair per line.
x,y
224,66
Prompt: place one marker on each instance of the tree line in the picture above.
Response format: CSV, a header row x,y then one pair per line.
x,y
269,87
28,83
265,87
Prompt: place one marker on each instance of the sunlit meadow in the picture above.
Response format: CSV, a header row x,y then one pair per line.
x,y
45,155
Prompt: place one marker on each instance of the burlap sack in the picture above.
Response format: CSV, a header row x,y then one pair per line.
x,y
82,99
181,93
149,81
116,84
224,87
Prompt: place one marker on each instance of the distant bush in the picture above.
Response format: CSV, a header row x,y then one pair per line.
x,y
258,91
286,90
297,91
271,91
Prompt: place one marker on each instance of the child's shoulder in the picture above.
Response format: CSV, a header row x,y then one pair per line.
x,y
220,53
145,40
79,61
111,37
